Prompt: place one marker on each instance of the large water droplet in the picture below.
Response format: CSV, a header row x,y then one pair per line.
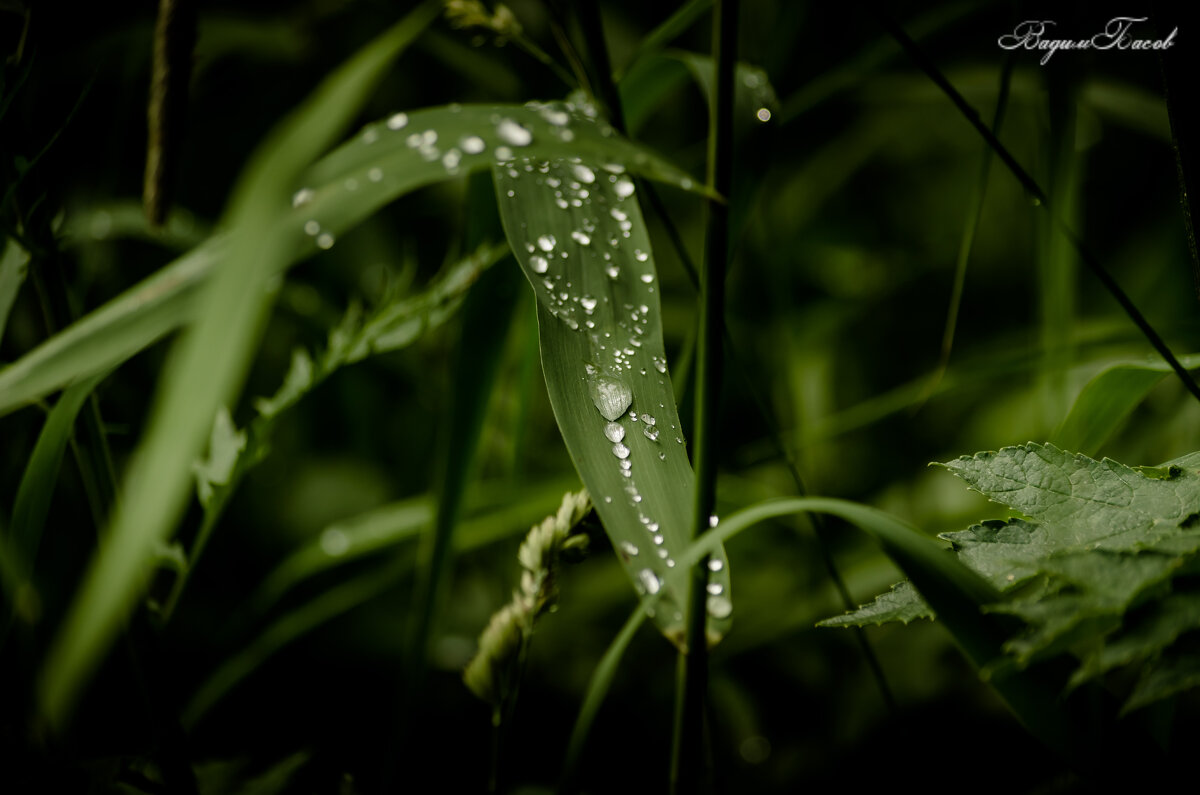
x,y
472,144
623,188
583,173
610,396
614,431
334,542
397,121
588,303
513,134
580,238
649,581
719,607
650,432
620,450
539,264
546,242
715,564
629,549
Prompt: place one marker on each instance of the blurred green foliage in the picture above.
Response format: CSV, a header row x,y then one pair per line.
x,y
850,203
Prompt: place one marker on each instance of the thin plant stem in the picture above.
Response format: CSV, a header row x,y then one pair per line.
x,y
966,243
687,745
1030,185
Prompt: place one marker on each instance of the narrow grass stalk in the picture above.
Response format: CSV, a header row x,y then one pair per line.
x,y
686,752
1031,186
966,243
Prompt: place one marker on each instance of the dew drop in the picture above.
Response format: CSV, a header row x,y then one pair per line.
x,y
325,240
614,431
451,159
472,144
623,188
375,174
588,303
646,418
583,173
719,607
649,581
613,271
311,227
715,588
334,542
650,432
629,549
581,238
620,450
539,264
715,564
641,256
302,196
513,134
713,520
546,242
763,114
503,153
370,136
662,456
610,396
397,121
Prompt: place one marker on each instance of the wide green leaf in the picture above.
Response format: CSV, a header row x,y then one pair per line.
x,y
387,159
577,230
1107,399
1106,572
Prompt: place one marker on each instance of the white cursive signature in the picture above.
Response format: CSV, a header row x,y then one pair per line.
x,y
1032,35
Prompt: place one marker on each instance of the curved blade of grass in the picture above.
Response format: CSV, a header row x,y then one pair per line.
x,y
597,690
578,232
35,492
1108,399
13,264
957,595
359,536
206,368
345,187
386,527
329,605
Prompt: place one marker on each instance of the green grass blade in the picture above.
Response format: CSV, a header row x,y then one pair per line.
x,y
206,368
1107,399
13,264
956,594
36,490
345,187
597,690
487,316
578,232
290,627
355,539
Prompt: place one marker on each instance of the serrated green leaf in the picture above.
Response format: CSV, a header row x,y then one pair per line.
x,y
577,230
1175,672
1144,635
1006,553
1095,504
902,603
